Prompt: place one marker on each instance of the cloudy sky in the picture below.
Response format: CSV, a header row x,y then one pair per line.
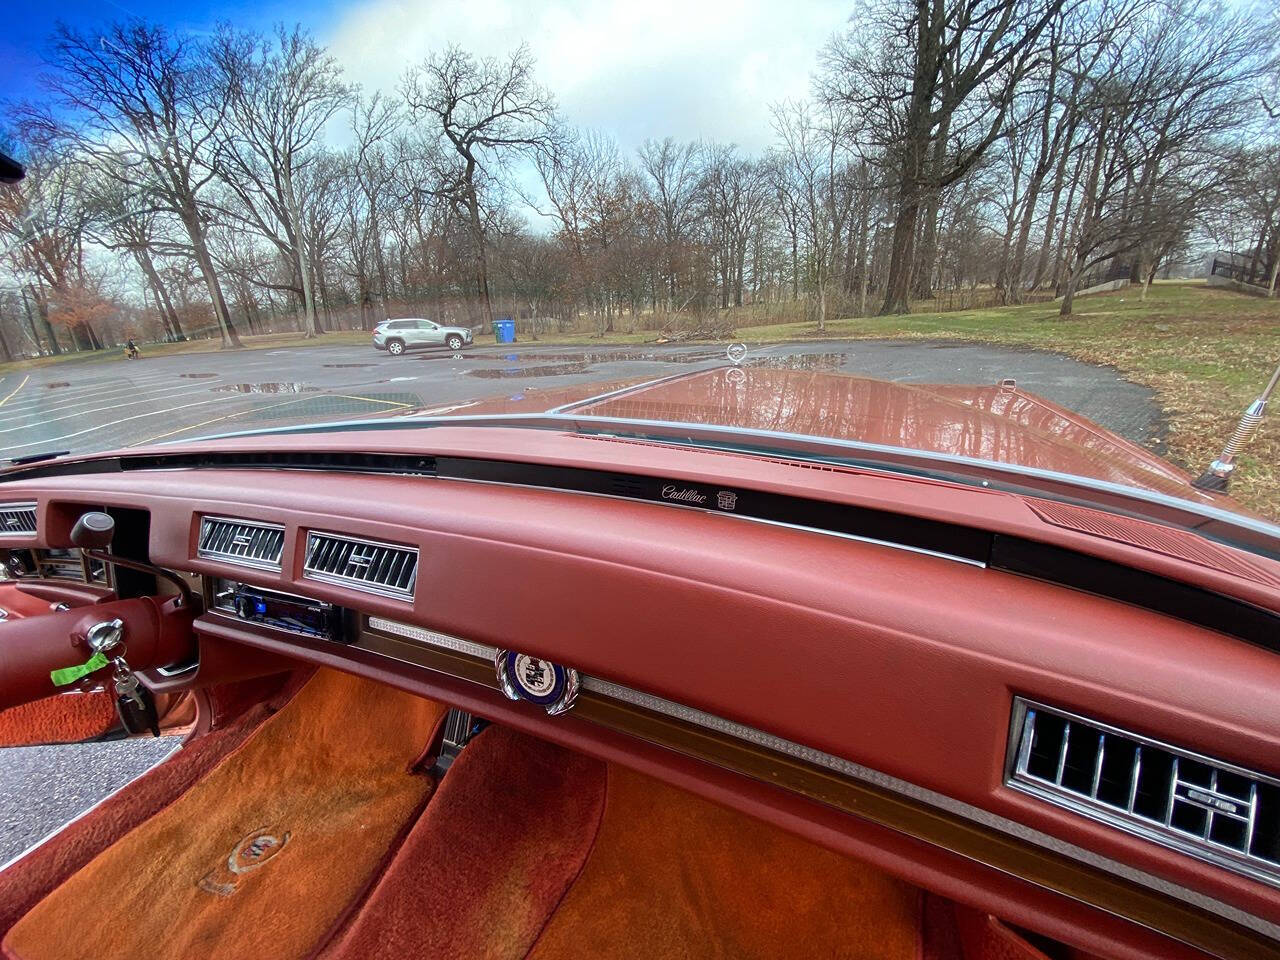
x,y
632,68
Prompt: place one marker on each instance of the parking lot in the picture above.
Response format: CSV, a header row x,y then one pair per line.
x,y
113,403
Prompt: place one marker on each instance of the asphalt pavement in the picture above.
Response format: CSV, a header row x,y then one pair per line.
x,y
41,788
115,403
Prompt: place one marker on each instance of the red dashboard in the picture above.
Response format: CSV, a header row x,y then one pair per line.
x,y
899,662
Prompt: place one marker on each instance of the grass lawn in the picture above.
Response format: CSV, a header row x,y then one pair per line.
x,y
1207,353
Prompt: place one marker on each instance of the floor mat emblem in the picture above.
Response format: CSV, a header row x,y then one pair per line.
x,y
547,684
253,850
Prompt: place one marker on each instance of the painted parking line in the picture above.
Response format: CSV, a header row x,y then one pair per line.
x,y
81,413
108,399
49,441
352,396
84,393
270,406
11,393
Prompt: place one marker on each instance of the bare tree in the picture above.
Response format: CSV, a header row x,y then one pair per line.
x,y
809,170
1158,122
143,99
42,226
281,91
485,111
938,112
674,171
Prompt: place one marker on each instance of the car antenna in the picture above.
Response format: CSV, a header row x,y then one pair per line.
x,y
1218,474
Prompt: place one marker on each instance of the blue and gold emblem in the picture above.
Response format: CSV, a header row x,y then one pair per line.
x,y
524,677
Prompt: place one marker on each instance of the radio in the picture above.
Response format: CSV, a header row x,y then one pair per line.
x,y
285,611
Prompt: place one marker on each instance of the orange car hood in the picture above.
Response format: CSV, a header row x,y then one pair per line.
x,y
1002,424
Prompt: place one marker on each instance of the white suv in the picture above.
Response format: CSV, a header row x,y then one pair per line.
x,y
397,336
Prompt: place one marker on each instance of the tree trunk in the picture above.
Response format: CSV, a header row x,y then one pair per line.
x,y
898,286
482,263
41,311
1019,257
230,339
1046,249
922,287
167,313
4,346
795,266
1072,282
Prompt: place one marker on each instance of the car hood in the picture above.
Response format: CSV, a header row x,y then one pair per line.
x,y
1001,423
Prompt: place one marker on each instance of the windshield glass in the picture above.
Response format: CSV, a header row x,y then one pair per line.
x,y
1036,233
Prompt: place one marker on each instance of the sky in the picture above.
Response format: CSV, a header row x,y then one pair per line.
x,y
630,68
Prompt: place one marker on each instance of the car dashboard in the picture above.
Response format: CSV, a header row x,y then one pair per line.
x,y
972,689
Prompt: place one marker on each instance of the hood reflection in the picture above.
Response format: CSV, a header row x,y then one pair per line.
x,y
985,423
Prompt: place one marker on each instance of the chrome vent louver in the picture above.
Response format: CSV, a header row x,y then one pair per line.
x,y
246,543
385,568
17,519
1218,812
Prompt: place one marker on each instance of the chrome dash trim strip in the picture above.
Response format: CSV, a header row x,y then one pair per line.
x,y
430,637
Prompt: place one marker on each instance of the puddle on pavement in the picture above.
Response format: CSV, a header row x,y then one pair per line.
x,y
57,383
197,376
801,361
275,387
549,370
612,356
346,364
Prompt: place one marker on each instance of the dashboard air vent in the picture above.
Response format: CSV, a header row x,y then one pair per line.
x,y
245,543
385,568
17,520
1215,811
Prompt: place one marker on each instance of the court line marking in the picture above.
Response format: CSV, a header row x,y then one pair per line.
x,y
15,390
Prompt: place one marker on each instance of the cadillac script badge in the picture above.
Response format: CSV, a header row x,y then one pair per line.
x,y
547,684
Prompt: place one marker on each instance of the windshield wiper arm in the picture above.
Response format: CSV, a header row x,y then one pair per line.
x,y
38,457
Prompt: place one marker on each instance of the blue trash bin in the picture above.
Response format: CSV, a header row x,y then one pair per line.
x,y
504,330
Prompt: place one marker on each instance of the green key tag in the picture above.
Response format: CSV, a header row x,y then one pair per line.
x,y
67,675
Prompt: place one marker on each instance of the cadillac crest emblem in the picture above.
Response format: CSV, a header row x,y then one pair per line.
x,y
254,849
547,684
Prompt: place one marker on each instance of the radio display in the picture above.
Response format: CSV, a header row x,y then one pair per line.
x,y
272,608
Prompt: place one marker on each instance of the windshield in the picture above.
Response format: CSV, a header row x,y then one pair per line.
x,y
1039,235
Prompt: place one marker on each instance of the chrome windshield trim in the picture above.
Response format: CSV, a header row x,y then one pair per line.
x,y
1209,521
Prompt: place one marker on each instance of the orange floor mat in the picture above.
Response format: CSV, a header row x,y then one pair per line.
x,y
265,854
531,851
672,875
